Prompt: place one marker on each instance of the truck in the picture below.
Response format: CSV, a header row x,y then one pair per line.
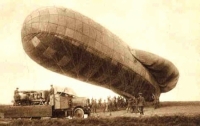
x,y
39,103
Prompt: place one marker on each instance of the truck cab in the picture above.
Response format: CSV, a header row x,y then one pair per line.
x,y
71,105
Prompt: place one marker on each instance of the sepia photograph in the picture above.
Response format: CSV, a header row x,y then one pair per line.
x,y
100,63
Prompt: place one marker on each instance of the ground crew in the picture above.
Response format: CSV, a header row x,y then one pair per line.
x,y
51,92
16,97
134,104
94,106
156,101
141,103
104,106
129,107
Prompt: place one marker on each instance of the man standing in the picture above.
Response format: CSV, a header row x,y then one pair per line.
x,y
51,92
16,91
134,104
94,106
156,101
104,106
129,107
16,97
141,102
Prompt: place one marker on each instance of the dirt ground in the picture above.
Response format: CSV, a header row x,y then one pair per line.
x,y
165,109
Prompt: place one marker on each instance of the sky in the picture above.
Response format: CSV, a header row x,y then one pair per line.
x,y
168,28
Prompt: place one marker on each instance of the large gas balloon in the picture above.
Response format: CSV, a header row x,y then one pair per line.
x,y
69,43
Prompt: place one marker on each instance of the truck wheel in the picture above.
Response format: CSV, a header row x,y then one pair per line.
x,y
78,113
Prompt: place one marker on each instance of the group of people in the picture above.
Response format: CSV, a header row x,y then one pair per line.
x,y
132,105
111,104
30,98
136,104
117,103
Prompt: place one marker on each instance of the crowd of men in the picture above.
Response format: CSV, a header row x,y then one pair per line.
x,y
111,104
131,105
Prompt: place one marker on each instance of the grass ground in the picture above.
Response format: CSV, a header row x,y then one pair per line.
x,y
169,114
117,121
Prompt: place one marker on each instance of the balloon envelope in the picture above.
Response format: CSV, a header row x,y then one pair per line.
x,y
69,43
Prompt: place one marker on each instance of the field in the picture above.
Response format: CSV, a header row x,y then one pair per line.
x,y
169,114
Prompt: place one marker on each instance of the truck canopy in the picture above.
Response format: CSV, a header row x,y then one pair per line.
x,y
65,90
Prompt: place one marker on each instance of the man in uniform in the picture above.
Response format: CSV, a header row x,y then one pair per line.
x,y
141,103
156,101
16,97
94,106
134,104
104,106
16,91
51,92
129,107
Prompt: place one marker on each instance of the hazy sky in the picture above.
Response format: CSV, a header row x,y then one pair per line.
x,y
169,28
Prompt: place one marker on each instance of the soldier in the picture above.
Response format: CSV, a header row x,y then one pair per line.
x,y
16,91
51,92
104,105
134,104
156,101
16,97
94,105
115,103
124,102
119,102
129,105
99,103
88,102
109,105
141,103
